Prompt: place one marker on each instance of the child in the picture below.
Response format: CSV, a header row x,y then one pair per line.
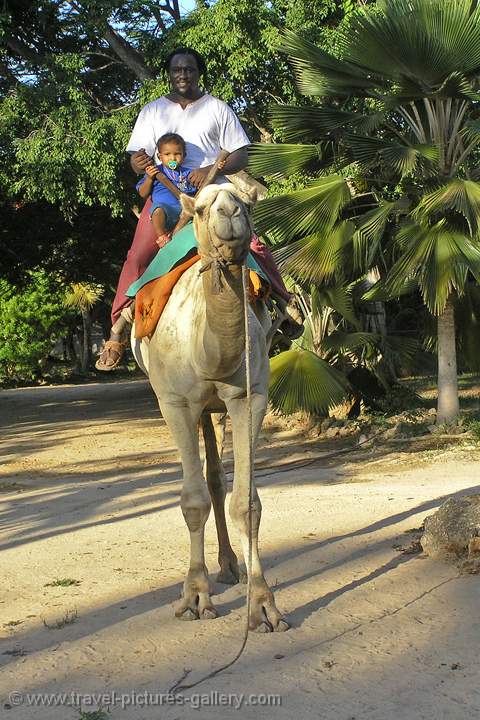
x,y
166,208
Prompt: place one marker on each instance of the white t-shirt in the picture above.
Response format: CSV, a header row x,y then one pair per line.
x,y
207,125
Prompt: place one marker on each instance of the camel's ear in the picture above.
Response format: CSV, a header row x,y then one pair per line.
x,y
247,196
188,204
252,197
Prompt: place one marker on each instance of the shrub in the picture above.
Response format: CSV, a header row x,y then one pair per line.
x,y
32,319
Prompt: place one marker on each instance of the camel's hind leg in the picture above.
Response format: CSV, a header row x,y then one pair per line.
x,y
264,614
214,432
195,502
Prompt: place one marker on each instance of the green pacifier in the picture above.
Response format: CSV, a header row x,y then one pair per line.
x,y
172,164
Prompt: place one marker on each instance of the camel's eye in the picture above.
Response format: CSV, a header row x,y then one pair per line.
x,y
199,211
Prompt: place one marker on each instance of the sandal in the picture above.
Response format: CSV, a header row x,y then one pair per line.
x,y
112,351
293,327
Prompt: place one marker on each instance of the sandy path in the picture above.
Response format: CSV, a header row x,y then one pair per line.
x,y
92,495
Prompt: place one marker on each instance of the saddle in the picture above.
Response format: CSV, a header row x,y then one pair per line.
x,y
153,289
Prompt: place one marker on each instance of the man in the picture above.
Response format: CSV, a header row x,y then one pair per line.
x,y
207,125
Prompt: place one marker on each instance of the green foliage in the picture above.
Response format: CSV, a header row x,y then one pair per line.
x,y
467,317
32,320
83,296
300,380
399,398
361,361
417,159
63,582
391,146
93,715
473,426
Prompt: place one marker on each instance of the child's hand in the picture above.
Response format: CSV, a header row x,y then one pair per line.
x,y
221,164
151,170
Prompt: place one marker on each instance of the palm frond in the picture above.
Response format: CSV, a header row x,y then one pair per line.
x,y
280,160
461,196
423,41
310,210
369,233
402,158
316,257
457,85
438,258
349,342
83,296
300,380
380,293
309,122
322,74
339,298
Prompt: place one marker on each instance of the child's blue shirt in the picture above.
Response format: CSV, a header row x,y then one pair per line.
x,y
179,177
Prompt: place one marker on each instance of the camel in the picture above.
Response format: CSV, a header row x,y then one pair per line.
x,y
195,361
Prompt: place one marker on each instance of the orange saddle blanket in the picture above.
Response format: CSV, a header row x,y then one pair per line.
x,y
151,299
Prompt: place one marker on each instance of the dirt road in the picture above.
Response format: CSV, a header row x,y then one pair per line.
x,y
90,497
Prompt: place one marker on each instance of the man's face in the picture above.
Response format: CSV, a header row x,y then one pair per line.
x,y
184,75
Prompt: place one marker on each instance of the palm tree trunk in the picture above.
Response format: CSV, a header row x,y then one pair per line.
x,y
448,406
87,340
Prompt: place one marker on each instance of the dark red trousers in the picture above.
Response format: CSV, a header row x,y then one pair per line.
x,y
144,248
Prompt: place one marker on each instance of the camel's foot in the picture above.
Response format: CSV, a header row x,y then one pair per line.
x,y
229,571
196,603
265,617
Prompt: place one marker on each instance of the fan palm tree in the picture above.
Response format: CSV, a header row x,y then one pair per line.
x,y
393,137
322,369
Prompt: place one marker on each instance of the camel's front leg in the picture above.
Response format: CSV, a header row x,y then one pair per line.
x,y
264,614
195,502
217,487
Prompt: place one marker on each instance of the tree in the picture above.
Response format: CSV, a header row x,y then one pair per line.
x,y
82,297
395,131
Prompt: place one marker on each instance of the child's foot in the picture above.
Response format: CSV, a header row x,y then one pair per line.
x,y
162,240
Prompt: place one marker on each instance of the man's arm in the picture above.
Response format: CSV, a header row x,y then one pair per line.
x,y
236,161
139,161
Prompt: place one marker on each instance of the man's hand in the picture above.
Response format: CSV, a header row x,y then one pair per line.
x,y
198,176
139,161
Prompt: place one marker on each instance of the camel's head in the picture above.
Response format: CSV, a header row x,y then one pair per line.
x,y
221,218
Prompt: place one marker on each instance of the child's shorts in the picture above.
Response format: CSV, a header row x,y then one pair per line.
x,y
172,213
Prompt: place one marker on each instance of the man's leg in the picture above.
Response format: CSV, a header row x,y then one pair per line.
x,y
293,326
143,250
265,259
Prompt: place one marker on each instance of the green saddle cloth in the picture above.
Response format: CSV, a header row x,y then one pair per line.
x,y
181,245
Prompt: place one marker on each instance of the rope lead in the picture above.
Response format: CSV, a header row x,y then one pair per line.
x,y
178,686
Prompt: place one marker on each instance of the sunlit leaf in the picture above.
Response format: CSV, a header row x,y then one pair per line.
x,y
300,380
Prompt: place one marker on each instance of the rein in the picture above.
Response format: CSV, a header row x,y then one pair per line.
x,y
218,264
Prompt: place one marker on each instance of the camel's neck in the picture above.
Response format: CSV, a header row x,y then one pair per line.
x,y
224,334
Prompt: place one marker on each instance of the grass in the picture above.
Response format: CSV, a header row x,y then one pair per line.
x,y
468,389
62,582
68,619
93,715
